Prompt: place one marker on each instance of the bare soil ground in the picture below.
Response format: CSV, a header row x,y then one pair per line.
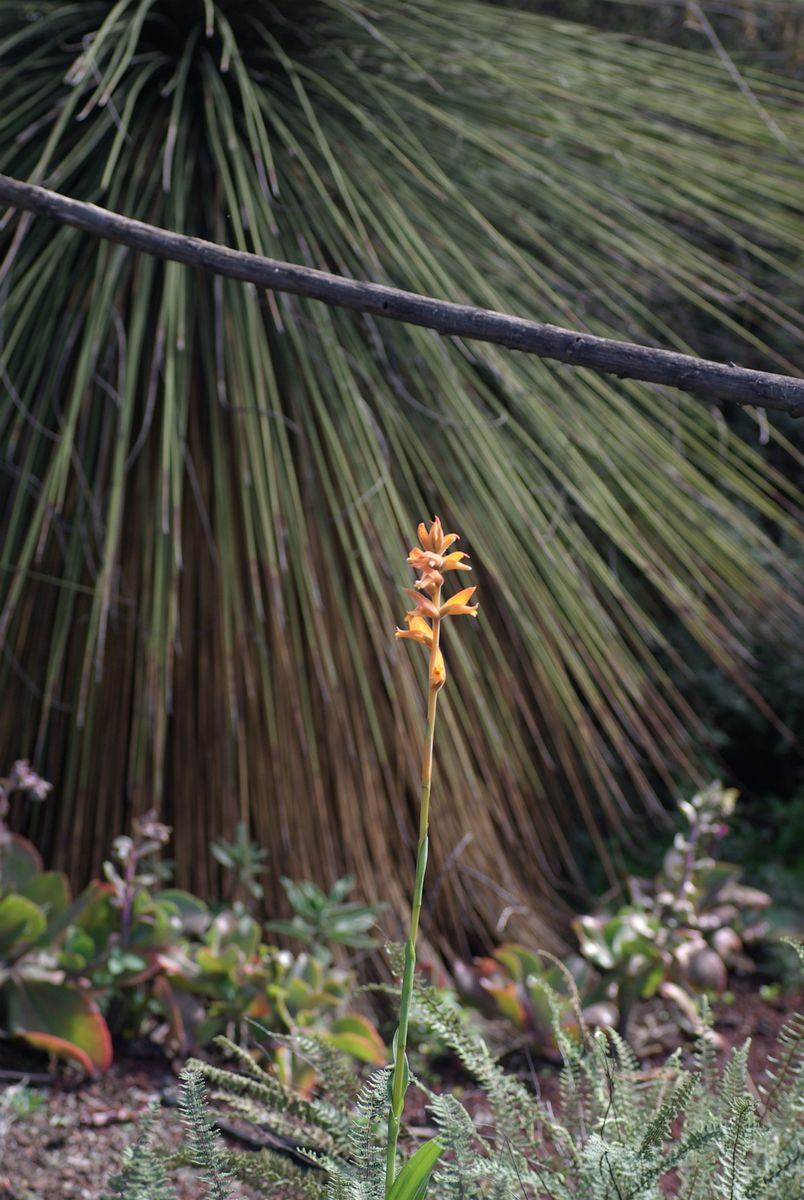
x,y
70,1146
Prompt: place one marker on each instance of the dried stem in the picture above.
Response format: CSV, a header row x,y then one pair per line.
x,y
700,377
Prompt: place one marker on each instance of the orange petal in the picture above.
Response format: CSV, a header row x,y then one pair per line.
x,y
447,540
453,562
424,603
414,636
459,600
419,626
424,536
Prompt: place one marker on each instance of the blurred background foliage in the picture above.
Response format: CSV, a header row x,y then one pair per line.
x,y
207,492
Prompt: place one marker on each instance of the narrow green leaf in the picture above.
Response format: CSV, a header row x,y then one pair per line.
x,y
412,1181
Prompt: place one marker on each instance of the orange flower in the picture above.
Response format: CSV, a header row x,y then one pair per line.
x,y
418,629
424,621
453,562
457,604
436,539
424,604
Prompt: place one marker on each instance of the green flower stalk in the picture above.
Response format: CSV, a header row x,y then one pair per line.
x,y
423,626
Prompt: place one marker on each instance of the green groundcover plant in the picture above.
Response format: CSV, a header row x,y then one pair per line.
x,y
618,1133
130,955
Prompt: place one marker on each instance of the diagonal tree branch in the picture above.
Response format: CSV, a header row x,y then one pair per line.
x,y
704,379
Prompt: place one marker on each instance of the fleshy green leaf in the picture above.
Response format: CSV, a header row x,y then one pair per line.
x,y
21,921
60,1019
355,1035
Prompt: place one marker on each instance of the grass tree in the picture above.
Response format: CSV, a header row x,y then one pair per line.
x,y
204,489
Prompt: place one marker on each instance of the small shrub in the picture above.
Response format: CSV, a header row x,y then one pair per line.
x,y
688,927
618,1133
677,935
42,1001
129,955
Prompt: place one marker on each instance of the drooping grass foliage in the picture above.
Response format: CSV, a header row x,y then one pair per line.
x,y
203,489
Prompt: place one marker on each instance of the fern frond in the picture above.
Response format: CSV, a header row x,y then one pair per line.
x,y
280,1102
734,1083
761,1188
786,1070
572,990
143,1175
659,1128
611,1170
704,1051
457,1176
275,1175
244,1058
735,1148
681,1150
204,1139
368,1153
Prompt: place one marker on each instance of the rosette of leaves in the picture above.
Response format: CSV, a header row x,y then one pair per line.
x,y
687,928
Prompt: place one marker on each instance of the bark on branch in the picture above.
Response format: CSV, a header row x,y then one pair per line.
x,y
702,378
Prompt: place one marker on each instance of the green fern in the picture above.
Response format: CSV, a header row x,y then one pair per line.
x,y
618,1133
271,1175
203,1137
143,1176
735,1148
784,1092
658,1130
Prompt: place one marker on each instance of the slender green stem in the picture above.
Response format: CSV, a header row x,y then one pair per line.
x,y
399,1082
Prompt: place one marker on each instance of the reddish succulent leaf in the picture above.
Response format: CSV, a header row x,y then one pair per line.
x,y
60,1047
60,1019
509,1003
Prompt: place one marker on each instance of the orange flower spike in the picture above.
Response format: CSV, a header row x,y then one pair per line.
x,y
458,604
423,626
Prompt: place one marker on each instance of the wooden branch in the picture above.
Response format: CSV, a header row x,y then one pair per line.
x,y
704,379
